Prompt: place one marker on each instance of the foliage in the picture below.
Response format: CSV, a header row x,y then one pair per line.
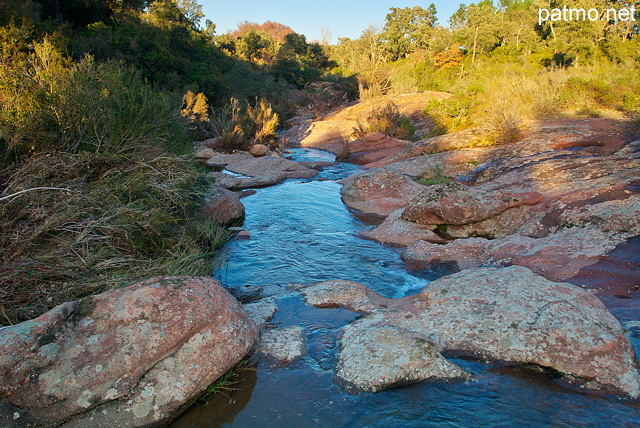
x,y
114,219
388,120
408,29
48,102
262,122
239,128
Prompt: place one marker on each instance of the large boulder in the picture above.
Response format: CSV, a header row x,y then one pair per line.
x,y
514,315
133,356
502,314
379,191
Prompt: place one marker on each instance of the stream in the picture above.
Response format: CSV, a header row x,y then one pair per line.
x,y
301,232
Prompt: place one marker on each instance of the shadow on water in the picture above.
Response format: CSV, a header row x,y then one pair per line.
x,y
301,232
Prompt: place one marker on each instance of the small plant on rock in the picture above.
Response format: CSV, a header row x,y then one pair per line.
x,y
432,177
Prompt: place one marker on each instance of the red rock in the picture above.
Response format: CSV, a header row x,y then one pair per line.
x,y
501,314
396,231
557,257
370,148
244,234
258,150
457,204
132,356
223,206
379,191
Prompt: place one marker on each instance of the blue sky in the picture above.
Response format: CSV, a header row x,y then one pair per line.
x,y
343,18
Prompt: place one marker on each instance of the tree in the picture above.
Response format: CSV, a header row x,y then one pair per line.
x,y
192,11
407,29
478,27
252,47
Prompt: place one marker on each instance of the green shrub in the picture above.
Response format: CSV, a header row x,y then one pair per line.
x,y
47,102
449,114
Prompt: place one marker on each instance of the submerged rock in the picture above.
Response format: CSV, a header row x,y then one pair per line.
x,y
284,345
132,356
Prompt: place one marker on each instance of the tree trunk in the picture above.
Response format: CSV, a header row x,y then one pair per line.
x,y
475,43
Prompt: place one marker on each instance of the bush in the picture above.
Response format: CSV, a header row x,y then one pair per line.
x,y
448,114
48,103
261,123
388,120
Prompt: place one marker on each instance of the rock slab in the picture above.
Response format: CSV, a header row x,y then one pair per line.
x,y
376,358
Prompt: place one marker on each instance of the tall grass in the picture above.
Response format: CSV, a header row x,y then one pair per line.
x,y
121,219
388,120
94,192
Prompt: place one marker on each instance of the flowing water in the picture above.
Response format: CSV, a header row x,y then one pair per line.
x,y
302,233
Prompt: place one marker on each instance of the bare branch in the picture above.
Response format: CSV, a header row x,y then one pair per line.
x,y
31,190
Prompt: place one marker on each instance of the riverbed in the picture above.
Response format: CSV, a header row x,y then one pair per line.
x,y
301,232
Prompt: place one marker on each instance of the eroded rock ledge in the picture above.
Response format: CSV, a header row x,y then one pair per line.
x,y
556,201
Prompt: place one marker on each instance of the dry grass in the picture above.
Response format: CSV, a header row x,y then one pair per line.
x,y
123,218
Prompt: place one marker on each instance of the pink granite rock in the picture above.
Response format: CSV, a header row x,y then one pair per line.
x,y
131,356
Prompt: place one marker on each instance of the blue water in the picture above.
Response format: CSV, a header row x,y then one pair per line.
x,y
301,232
